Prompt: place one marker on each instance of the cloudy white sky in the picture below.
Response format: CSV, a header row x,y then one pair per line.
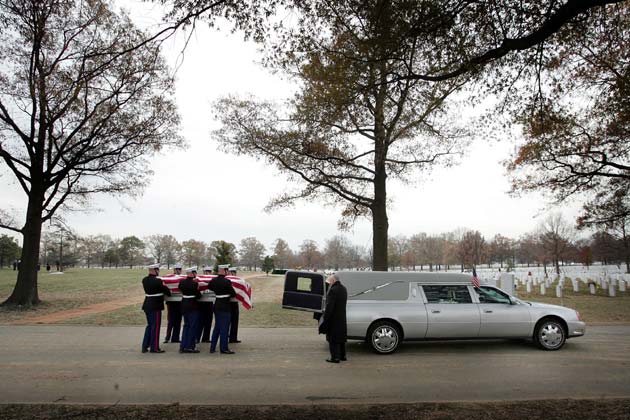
x,y
216,196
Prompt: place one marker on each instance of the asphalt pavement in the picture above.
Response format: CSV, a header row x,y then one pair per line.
x,y
104,365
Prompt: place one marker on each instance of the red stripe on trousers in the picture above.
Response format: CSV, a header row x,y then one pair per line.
x,y
157,330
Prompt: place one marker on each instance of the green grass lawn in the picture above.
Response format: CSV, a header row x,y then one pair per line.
x,y
593,308
80,287
73,289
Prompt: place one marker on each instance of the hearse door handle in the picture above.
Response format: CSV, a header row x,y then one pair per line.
x,y
435,311
488,311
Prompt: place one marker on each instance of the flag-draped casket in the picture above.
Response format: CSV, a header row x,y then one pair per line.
x,y
242,288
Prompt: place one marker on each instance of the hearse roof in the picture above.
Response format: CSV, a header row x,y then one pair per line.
x,y
406,276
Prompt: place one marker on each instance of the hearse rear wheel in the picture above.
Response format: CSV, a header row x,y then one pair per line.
x,y
384,337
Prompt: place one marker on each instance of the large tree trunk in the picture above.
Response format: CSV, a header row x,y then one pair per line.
x,y
25,291
380,224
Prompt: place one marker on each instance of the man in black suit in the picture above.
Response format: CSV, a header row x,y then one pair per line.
x,y
334,324
154,291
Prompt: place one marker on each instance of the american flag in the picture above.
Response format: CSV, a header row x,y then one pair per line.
x,y
475,279
242,288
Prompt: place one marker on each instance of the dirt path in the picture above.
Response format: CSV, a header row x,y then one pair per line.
x,y
97,308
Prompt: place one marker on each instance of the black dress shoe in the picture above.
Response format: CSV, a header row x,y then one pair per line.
x,y
212,351
343,359
332,360
175,341
166,341
145,350
235,341
190,351
157,351
227,352
204,341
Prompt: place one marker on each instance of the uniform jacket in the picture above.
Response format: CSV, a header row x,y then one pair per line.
x,y
152,286
334,324
189,287
222,286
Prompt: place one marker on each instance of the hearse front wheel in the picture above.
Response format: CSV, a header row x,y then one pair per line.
x,y
549,334
384,337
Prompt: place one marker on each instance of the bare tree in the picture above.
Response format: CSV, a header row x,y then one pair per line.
x,y
309,253
337,252
555,236
282,254
472,249
251,252
77,115
352,128
163,248
193,252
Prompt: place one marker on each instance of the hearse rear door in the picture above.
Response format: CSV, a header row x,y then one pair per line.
x,y
303,291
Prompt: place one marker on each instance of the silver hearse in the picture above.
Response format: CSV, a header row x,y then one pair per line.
x,y
386,308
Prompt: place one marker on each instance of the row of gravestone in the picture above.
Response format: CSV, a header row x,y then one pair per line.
x,y
611,284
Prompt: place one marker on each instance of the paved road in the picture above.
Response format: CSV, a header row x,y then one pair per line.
x,y
76,364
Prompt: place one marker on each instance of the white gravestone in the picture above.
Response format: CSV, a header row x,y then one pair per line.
x,y
558,291
622,286
542,288
591,288
611,291
529,287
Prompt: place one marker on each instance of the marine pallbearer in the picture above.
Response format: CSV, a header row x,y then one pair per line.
x,y
154,291
206,312
234,313
174,313
190,311
222,287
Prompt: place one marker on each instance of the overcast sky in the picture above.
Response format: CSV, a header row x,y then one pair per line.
x,y
214,196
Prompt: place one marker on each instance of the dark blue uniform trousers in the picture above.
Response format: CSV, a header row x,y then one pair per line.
x,y
234,315
189,333
174,316
204,322
152,331
222,329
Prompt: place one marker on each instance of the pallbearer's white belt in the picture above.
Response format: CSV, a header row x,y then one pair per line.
x,y
222,296
155,295
189,296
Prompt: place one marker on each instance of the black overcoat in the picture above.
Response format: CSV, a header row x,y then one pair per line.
x,y
334,324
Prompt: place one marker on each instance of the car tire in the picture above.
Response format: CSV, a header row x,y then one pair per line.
x,y
550,334
384,337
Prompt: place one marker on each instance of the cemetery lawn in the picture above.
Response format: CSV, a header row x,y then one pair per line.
x,y
81,287
598,308
73,289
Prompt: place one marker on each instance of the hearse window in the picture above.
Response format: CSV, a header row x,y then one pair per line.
x,y
447,294
491,295
304,284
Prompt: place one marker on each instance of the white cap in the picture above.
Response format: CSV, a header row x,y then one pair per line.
x,y
207,268
232,268
154,266
178,265
191,269
225,266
